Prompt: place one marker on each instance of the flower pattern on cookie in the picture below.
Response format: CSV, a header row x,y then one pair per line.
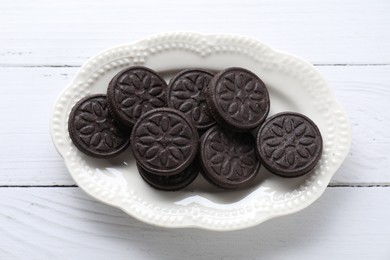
x,y
231,155
242,97
289,142
186,94
164,140
135,92
94,128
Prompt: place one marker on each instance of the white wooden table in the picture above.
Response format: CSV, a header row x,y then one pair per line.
x,y
44,215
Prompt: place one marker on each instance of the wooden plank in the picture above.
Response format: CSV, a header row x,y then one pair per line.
x,y
365,94
28,156
68,32
63,223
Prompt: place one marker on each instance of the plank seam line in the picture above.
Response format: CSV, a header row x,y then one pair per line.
x,y
38,186
78,66
358,185
329,186
351,64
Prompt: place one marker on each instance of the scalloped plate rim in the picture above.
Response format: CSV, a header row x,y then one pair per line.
x,y
336,107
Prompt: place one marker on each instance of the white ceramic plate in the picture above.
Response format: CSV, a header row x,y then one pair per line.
x,y
293,84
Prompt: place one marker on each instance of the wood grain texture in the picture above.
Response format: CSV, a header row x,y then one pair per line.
x,y
40,39
68,32
63,223
364,91
28,156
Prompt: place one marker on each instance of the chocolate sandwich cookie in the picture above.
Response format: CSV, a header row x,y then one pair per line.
x,y
164,141
186,94
134,91
172,182
289,144
228,159
238,99
94,131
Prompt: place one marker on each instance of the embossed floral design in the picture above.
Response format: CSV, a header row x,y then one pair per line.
x,y
242,97
232,155
138,92
187,95
290,142
96,128
164,140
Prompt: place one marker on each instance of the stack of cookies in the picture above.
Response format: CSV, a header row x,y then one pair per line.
x,y
215,124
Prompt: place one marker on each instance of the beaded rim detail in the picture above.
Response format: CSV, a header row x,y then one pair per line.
x,y
261,208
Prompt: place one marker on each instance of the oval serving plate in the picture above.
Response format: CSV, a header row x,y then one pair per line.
x,y
293,84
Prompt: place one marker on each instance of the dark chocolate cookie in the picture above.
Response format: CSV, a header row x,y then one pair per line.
x,y
164,141
94,131
238,99
228,159
172,182
289,144
134,91
186,94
